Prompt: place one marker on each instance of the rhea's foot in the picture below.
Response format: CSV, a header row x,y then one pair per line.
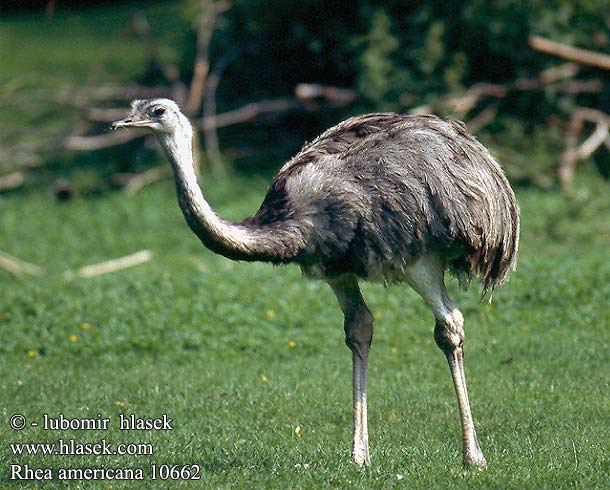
x,y
360,455
474,459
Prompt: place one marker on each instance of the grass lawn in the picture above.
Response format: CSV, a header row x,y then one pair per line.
x,y
239,355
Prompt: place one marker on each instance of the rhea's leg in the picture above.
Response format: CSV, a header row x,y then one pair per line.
x,y
427,278
449,336
358,327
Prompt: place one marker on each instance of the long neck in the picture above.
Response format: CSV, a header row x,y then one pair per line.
x,y
232,240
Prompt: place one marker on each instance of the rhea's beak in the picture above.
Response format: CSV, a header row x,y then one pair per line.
x,y
130,123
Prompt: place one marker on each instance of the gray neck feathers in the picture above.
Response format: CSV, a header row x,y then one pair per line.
x,y
232,240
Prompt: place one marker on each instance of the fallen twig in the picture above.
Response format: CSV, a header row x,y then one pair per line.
x,y
115,264
18,267
146,178
11,181
198,265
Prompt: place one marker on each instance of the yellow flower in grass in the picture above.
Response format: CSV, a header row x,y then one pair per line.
x,y
85,326
270,313
393,350
32,353
297,431
73,338
292,343
119,403
264,378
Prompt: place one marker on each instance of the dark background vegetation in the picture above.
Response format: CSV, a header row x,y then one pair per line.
x,y
397,56
242,355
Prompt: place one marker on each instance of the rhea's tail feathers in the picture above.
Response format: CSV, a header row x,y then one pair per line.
x,y
495,254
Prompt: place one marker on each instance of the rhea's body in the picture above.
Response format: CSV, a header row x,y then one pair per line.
x,y
374,193
383,197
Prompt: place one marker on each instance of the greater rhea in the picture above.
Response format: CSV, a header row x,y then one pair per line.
x,y
380,197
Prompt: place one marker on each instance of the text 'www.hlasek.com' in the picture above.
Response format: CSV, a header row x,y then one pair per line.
x,y
70,444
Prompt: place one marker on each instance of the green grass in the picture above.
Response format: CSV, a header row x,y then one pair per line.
x,y
94,45
192,335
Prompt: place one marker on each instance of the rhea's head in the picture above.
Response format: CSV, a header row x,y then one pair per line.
x,y
162,116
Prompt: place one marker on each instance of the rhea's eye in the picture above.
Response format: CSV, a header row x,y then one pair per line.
x,y
159,111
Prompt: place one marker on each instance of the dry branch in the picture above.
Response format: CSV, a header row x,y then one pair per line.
x,y
575,152
99,142
210,134
333,95
146,178
115,264
463,104
556,79
205,30
575,87
252,111
18,267
559,72
11,181
483,118
474,94
567,52
208,16
209,125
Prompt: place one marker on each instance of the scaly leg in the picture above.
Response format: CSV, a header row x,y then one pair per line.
x,y
449,337
358,327
426,276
